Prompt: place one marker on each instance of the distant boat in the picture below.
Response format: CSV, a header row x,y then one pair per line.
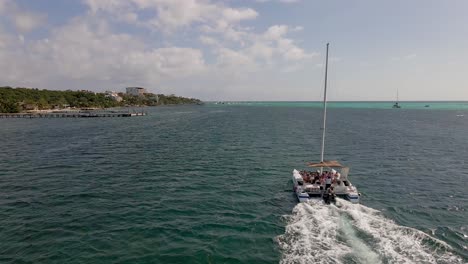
x,y
396,104
317,183
427,106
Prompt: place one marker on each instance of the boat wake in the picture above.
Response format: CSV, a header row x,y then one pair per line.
x,y
353,233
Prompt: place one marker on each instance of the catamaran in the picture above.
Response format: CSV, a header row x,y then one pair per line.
x,y
325,180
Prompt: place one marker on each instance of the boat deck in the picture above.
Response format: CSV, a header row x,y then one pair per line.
x,y
314,183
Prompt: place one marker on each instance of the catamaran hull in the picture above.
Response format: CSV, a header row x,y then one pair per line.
x,y
304,196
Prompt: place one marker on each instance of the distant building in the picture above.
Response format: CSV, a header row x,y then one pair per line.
x,y
30,107
136,91
114,95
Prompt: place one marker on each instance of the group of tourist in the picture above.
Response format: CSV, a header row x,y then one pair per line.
x,y
324,179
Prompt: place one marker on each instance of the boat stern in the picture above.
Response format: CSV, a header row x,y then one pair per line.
x,y
302,197
298,181
353,197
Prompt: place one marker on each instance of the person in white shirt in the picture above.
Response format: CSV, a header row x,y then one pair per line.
x,y
328,181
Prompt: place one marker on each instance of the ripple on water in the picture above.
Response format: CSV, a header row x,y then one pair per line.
x,y
211,185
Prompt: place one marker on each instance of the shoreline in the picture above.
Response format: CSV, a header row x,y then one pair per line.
x,y
74,114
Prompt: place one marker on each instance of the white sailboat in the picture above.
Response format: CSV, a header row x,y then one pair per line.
x,y
325,182
397,105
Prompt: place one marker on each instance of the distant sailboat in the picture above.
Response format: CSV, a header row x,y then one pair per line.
x,y
396,104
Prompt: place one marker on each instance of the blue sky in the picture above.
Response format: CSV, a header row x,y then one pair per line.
x,y
239,49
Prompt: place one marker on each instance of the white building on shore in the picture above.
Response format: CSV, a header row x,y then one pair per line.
x,y
136,91
114,95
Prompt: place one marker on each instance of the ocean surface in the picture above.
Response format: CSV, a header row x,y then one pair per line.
x,y
212,184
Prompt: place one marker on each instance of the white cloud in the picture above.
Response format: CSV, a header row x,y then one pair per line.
x,y
170,15
257,51
5,39
261,50
107,5
285,46
335,59
86,50
16,65
26,22
90,49
276,32
231,14
101,54
295,53
7,5
280,1
298,28
405,57
23,20
220,25
231,59
3,5
208,40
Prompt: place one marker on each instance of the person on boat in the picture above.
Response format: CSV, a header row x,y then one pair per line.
x,y
317,179
325,197
328,182
331,194
323,175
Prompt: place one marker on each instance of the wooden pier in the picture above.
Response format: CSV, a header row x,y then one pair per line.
x,y
71,114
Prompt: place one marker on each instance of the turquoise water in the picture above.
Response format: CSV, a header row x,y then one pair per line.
x,y
462,105
211,184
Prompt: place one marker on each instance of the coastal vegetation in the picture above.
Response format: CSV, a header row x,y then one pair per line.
x,y
15,100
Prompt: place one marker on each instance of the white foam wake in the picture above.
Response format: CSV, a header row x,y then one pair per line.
x,y
353,233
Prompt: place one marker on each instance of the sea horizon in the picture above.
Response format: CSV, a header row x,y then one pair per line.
x,y
405,105
340,101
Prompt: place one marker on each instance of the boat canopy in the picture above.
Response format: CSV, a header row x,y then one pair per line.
x,y
326,163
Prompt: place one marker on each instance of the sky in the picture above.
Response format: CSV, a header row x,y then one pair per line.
x,y
253,50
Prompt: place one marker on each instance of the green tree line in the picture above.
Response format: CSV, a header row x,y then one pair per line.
x,y
15,100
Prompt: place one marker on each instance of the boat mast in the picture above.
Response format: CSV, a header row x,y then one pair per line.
x,y
324,108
